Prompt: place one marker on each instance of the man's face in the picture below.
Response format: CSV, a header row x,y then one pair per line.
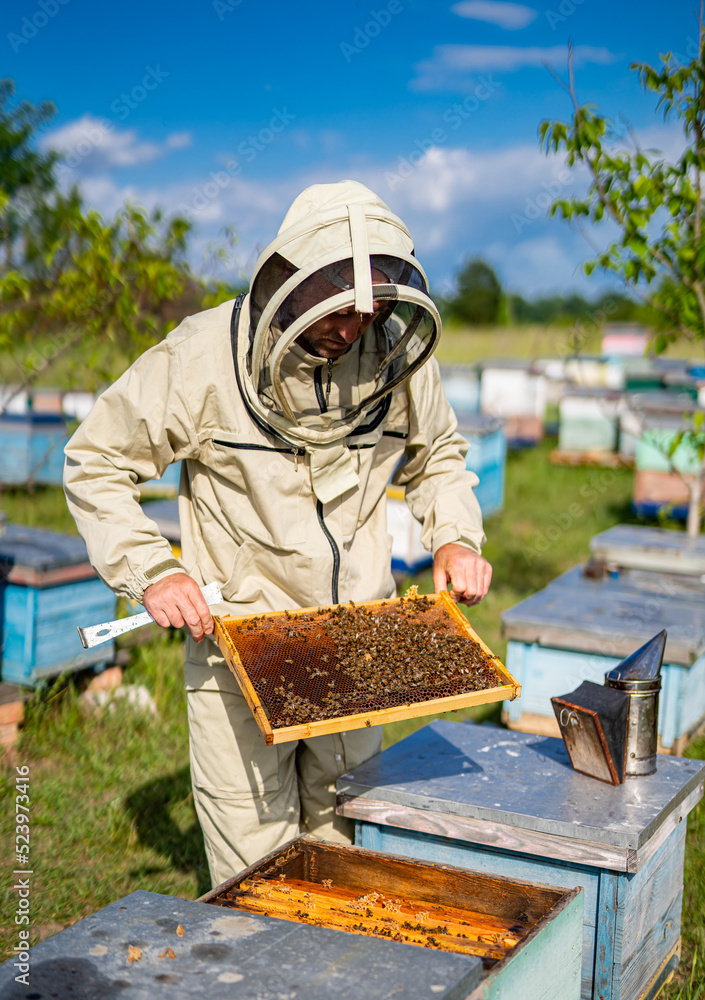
x,y
333,335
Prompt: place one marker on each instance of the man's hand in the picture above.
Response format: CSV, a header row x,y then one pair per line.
x,y
467,573
177,600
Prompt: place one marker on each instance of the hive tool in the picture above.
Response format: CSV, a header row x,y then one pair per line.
x,y
93,635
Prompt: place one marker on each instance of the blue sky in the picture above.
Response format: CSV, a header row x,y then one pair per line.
x,y
226,109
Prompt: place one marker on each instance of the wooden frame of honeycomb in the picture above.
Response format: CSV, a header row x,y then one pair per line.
x,y
281,637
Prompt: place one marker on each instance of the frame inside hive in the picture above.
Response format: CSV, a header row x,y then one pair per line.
x,y
294,653
383,895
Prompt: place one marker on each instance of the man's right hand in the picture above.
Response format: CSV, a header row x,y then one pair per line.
x,y
177,600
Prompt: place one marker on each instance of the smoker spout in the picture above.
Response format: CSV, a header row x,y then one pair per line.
x,y
642,665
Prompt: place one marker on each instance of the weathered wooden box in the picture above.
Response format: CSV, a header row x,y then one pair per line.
x,y
577,628
487,458
651,557
661,493
166,486
509,804
298,681
461,384
589,420
511,926
152,946
47,587
32,449
514,390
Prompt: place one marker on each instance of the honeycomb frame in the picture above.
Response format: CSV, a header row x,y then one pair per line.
x,y
236,634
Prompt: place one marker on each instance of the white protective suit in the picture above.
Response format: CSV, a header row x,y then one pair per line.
x,y
286,459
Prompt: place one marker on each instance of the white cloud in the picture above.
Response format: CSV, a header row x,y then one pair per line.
x,y
179,140
451,66
507,15
90,144
455,201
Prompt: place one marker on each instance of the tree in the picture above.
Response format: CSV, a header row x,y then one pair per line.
x,y
25,173
656,205
88,282
69,278
479,294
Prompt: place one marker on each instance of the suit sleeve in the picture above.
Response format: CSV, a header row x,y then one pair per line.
x,y
137,428
439,488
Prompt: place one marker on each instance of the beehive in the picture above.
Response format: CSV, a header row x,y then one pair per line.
x,y
46,583
429,905
341,667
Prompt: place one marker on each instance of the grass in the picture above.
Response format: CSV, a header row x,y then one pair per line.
x,y
111,806
465,344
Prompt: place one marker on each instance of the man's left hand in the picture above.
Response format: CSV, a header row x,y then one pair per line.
x,y
467,573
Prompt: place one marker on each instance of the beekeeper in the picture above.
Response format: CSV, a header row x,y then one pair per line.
x,y
291,409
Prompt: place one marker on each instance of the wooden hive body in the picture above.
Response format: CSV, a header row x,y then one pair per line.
x,y
509,804
504,922
577,629
47,585
32,449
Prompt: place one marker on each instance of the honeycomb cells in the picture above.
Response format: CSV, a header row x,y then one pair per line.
x,y
351,659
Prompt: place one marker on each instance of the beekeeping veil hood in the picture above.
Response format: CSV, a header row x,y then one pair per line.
x,y
339,249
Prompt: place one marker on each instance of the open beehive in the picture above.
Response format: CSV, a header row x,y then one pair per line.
x,y
323,670
382,895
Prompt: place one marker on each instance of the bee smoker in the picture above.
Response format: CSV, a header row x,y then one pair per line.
x,y
640,677
610,731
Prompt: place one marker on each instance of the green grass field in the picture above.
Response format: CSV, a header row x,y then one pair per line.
x,y
111,807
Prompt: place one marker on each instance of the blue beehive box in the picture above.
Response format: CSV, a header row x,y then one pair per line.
x,y
487,458
578,628
47,588
461,384
166,486
507,804
32,449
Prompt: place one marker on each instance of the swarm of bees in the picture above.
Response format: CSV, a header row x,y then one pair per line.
x,y
353,658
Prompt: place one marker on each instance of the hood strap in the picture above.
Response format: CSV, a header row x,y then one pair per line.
x,y
362,269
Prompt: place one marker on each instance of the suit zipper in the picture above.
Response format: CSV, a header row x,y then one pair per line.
x,y
322,399
335,550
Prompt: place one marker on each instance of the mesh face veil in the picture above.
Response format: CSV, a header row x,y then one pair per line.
x,y
368,284
337,317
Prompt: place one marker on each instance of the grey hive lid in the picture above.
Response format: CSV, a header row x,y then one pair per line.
x,y
608,616
479,424
224,954
39,550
